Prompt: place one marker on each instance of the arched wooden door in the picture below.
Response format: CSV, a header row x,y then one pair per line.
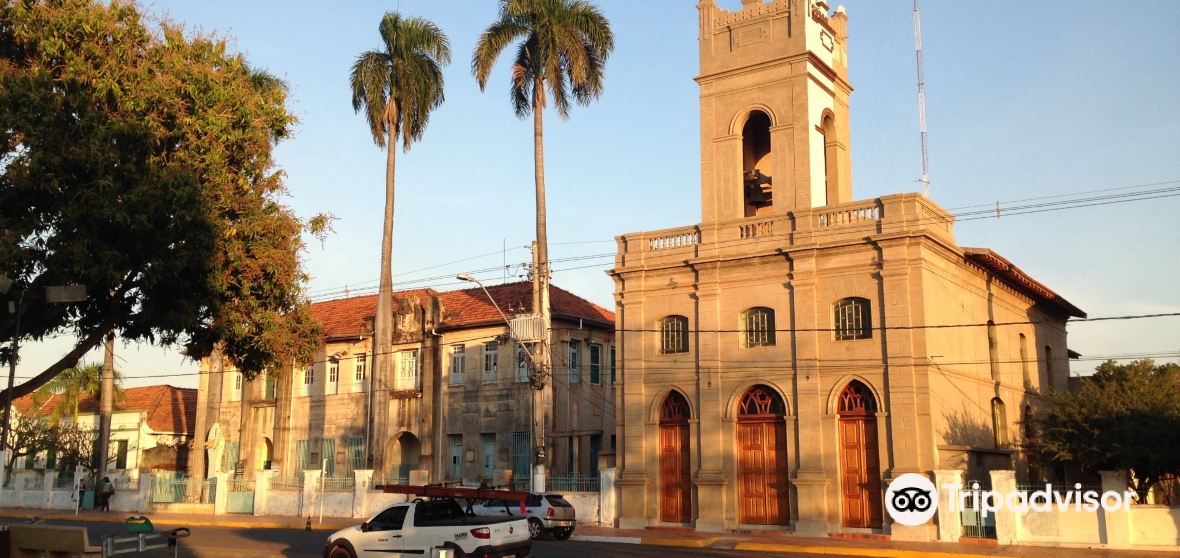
x,y
675,480
860,467
763,489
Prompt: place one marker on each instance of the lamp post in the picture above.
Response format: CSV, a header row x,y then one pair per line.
x,y
67,293
538,383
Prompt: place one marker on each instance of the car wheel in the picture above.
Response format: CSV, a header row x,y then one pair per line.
x,y
339,551
536,529
562,534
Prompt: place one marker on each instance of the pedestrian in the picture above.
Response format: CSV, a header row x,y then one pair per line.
x,y
81,494
108,490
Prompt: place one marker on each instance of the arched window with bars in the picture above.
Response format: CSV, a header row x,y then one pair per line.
x,y
852,319
758,327
673,331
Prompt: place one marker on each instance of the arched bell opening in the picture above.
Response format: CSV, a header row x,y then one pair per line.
x,y
757,163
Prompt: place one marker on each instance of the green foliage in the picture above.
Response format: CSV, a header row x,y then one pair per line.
x,y
400,84
1124,417
563,45
71,385
29,436
137,161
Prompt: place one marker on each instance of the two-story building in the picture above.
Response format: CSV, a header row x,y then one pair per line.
x,y
785,358
458,402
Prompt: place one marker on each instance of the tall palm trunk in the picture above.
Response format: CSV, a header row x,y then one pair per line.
x,y
541,281
383,328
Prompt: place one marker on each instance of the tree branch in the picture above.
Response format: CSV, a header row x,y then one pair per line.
x,y
70,359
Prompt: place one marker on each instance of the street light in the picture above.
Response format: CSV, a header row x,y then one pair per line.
x,y
538,479
55,294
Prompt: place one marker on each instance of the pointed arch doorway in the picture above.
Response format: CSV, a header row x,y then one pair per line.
x,y
675,479
763,490
860,468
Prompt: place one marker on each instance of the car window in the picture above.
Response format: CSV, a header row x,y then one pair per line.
x,y
557,501
391,519
533,500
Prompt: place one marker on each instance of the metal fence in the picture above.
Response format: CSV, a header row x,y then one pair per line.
x,y
975,524
287,484
1058,489
339,484
63,481
184,491
573,482
122,483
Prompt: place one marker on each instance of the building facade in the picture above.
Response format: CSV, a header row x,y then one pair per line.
x,y
457,403
151,428
787,357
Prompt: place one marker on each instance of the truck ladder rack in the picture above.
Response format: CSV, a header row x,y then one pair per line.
x,y
469,494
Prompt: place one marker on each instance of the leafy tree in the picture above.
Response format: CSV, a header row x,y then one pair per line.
x,y
28,436
1123,417
563,45
137,161
397,86
71,385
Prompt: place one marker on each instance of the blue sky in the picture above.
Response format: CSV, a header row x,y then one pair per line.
x,y
1023,100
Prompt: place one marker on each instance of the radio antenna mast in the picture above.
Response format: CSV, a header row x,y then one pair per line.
x,y
925,179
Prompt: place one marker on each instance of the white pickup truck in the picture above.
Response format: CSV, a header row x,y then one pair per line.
x,y
415,528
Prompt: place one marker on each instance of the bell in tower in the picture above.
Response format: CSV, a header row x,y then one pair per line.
x,y
774,108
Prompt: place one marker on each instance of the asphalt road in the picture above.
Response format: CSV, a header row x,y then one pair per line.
x,y
209,542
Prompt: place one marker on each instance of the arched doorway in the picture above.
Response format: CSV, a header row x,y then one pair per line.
x,y
763,490
860,468
263,453
402,456
675,480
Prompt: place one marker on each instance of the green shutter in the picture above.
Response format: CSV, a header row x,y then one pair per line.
x,y
356,459
302,456
328,453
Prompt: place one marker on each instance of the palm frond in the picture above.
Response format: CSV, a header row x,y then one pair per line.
x,y
369,81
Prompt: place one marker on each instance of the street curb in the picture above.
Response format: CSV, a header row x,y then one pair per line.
x,y
680,542
606,539
164,519
850,551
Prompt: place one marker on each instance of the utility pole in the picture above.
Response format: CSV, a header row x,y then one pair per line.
x,y
541,385
107,401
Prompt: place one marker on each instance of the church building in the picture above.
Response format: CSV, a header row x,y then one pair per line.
x,y
784,359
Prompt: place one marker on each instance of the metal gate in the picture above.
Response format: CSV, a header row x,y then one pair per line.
x,y
975,524
241,496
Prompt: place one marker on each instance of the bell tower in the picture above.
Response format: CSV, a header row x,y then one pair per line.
x,y
774,108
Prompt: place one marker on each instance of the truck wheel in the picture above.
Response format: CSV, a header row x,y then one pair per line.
x,y
562,534
536,529
339,551
455,550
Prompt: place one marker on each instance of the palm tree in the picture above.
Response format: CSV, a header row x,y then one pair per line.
x,y
71,385
397,86
564,45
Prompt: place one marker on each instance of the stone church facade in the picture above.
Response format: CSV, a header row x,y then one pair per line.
x,y
783,360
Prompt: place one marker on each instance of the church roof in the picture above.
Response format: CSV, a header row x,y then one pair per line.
x,y
1019,280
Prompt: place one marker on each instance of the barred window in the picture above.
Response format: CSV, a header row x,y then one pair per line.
x,y
852,319
758,324
673,335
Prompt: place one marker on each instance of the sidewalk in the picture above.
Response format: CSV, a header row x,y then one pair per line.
x,y
684,538
186,519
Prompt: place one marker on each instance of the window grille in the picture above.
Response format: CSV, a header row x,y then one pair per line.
x,y
852,319
759,327
674,335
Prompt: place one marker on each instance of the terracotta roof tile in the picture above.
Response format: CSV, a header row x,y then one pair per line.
x,y
1020,280
462,308
168,408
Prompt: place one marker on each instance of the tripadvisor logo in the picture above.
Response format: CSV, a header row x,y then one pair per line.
x,y
911,499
